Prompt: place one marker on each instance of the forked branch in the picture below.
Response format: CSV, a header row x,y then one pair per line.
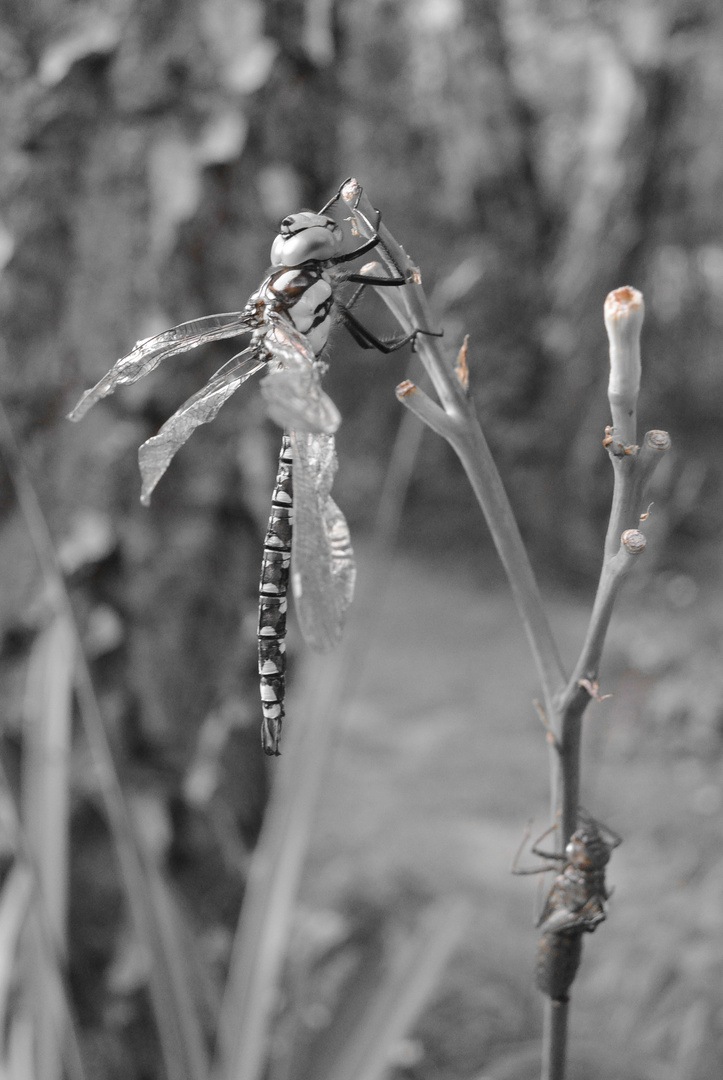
x,y
454,418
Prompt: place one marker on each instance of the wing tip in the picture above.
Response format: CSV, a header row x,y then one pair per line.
x,y
78,411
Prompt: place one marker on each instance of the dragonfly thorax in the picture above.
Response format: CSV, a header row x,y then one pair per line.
x,y
587,850
306,237
301,294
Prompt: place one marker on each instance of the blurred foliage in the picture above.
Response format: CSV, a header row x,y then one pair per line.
x,y
530,155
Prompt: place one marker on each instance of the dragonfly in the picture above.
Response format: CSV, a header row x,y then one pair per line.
x,y
576,902
289,318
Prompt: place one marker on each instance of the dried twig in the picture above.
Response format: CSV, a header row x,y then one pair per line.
x,y
454,418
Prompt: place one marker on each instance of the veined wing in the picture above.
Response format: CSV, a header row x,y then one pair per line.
x,y
292,390
322,560
149,353
156,454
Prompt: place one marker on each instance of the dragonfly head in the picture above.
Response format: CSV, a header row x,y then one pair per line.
x,y
305,237
587,849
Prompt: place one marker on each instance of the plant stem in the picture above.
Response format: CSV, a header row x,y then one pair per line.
x,y
554,1040
632,469
632,472
455,419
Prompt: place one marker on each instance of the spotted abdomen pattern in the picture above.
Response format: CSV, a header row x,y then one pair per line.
x,y
273,603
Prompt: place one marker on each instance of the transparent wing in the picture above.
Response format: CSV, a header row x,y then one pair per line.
x,y
322,560
156,454
148,354
292,390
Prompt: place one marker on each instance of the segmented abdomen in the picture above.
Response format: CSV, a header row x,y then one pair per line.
x,y
558,958
273,603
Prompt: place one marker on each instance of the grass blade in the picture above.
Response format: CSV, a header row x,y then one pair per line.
x,y
25,936
45,797
14,903
275,869
386,1010
178,1023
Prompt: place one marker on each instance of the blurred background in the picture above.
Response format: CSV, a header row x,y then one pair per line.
x,y
530,155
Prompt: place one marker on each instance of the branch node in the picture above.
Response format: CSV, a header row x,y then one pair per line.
x,y
593,688
658,440
618,449
633,541
461,369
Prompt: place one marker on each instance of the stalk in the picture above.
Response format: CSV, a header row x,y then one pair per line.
x,y
454,418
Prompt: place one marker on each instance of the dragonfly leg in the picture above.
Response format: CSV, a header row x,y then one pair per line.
x,y
335,198
368,279
374,238
368,245
369,340
547,854
515,869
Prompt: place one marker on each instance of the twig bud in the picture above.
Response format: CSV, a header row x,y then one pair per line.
x,y
657,440
633,541
624,310
461,369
